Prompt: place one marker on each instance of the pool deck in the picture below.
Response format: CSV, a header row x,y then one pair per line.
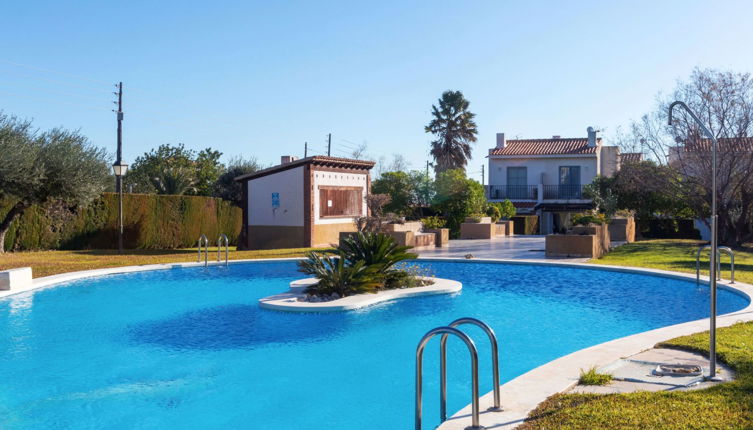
x,y
529,248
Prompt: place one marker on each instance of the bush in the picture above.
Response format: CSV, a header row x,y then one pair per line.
x,y
493,211
476,217
588,218
507,209
433,222
363,263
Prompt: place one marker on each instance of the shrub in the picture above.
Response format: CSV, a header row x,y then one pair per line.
x,y
475,217
592,377
336,276
457,197
507,209
363,263
433,222
590,218
493,211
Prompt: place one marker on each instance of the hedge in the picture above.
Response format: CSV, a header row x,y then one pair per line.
x,y
525,224
150,221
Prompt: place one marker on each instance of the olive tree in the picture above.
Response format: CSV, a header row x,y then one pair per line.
x,y
42,168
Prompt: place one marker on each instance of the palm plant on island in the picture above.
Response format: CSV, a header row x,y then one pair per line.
x,y
363,263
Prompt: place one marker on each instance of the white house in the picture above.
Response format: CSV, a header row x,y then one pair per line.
x,y
546,176
303,202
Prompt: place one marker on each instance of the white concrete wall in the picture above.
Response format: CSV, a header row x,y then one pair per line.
x,y
289,184
537,166
324,178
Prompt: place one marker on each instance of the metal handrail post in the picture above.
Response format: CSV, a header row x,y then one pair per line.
x,y
443,364
220,240
203,239
474,373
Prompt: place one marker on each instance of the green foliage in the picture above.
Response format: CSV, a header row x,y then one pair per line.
x,y
453,126
493,211
226,187
335,275
423,188
475,217
526,224
587,218
457,197
592,377
150,222
399,187
507,209
600,191
433,222
191,173
364,262
56,165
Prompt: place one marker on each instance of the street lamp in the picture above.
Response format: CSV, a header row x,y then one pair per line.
x,y
714,239
120,169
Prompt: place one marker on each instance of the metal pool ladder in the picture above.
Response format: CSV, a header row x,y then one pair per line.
x,y
445,332
222,240
725,249
203,240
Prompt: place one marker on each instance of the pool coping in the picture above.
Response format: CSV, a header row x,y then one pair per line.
x,y
288,301
522,394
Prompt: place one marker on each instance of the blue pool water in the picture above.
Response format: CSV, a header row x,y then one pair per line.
x,y
190,349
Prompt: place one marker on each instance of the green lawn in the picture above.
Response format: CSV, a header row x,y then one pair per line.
x,y
44,263
725,406
676,255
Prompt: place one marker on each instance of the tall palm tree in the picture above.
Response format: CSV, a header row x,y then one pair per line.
x,y
454,129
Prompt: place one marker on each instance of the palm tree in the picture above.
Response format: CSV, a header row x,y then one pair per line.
x,y
455,130
175,181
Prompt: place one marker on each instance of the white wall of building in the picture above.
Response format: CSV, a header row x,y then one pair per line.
x,y
324,178
289,185
536,166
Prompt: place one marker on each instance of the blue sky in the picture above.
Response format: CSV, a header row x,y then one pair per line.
x,y
260,78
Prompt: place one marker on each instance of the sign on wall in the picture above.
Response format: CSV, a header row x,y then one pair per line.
x,y
275,200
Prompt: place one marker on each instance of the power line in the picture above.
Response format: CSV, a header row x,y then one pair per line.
x,y
41,69
36,99
53,81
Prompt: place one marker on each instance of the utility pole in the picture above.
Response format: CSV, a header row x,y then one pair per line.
x,y
119,156
329,144
482,175
305,149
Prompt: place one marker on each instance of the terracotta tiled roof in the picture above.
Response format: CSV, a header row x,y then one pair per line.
x,y
317,160
561,146
524,205
630,157
728,144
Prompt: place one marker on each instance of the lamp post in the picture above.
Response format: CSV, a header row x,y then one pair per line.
x,y
120,169
714,235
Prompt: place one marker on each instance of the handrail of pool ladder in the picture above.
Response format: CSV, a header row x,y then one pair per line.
x,y
443,364
474,373
203,240
725,249
222,240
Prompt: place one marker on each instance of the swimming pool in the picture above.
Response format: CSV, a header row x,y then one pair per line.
x,y
190,348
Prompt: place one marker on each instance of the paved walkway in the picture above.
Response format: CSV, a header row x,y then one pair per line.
x,y
507,247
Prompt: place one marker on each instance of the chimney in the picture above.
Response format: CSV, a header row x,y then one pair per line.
x,y
591,137
556,136
501,141
285,159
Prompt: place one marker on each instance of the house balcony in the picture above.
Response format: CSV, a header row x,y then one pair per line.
x,y
536,193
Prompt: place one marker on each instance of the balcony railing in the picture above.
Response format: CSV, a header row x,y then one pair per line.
x,y
531,192
513,192
563,192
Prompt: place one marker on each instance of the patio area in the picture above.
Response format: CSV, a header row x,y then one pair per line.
x,y
507,247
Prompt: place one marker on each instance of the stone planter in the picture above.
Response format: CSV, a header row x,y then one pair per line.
x,y
622,229
590,241
441,236
474,230
509,226
413,226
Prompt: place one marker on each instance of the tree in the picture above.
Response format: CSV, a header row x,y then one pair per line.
x,y
724,103
174,181
454,129
201,170
226,188
423,188
457,197
398,186
54,166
